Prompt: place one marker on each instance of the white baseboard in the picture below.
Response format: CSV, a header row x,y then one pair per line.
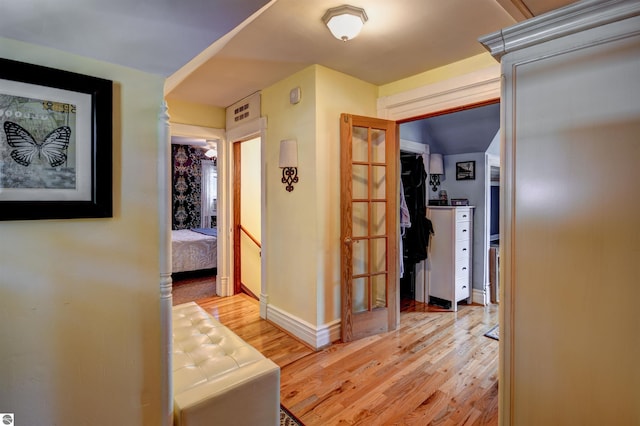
x,y
223,288
480,296
316,337
264,302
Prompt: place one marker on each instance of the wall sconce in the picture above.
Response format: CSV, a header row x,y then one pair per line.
x,y
345,22
436,168
289,162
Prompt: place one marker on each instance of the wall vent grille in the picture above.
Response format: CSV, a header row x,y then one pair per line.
x,y
245,110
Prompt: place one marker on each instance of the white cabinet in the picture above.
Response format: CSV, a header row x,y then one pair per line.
x,y
450,253
569,238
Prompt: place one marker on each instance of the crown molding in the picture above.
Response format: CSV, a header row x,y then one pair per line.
x,y
561,22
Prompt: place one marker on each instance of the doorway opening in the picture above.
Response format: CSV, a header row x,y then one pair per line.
x,y
461,135
247,184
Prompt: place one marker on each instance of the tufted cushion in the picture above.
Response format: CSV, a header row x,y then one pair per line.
x,y
209,360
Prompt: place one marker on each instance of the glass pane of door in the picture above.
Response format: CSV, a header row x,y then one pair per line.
x,y
379,284
360,218
360,295
360,144
360,257
360,181
378,249
378,145
379,184
378,218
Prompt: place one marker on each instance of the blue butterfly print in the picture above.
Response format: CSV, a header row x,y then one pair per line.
x,y
53,148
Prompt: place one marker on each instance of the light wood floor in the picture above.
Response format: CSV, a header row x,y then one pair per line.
x,y
438,368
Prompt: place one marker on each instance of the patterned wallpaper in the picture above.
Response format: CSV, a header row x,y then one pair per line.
x,y
186,172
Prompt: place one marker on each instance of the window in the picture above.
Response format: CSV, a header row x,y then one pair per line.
x,y
209,194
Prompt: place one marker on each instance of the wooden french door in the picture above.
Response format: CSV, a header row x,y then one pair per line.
x,y
369,225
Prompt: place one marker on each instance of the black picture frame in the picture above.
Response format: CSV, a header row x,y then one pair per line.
x,y
56,151
465,170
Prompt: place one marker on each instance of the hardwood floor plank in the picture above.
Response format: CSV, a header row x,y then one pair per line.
x,y
438,368
241,314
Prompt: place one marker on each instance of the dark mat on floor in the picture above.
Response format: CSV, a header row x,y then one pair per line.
x,y
494,333
287,418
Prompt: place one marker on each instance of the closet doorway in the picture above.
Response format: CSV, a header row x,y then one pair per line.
x,y
464,134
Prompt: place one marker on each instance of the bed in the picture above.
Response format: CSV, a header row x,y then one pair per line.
x,y
194,249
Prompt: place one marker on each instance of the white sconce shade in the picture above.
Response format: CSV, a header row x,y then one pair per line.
x,y
211,153
436,166
288,153
345,22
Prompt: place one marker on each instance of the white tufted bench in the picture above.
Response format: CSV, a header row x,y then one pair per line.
x,y
218,378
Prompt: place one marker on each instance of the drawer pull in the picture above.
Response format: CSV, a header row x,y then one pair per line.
x,y
464,215
464,268
464,249
464,230
464,286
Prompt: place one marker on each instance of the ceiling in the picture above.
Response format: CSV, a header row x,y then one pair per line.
x,y
156,36
461,132
217,52
401,38
242,46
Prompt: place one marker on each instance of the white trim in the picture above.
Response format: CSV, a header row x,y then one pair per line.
x,y
209,133
247,130
264,303
316,337
480,297
490,160
166,282
414,147
479,86
422,281
187,130
223,286
572,19
251,129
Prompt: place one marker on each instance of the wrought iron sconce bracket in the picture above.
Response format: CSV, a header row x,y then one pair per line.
x,y
434,181
289,177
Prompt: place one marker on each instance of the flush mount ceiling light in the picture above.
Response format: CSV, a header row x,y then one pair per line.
x,y
345,22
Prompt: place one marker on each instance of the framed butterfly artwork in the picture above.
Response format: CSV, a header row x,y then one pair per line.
x,y
55,143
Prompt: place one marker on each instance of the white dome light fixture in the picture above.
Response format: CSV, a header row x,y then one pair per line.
x,y
345,22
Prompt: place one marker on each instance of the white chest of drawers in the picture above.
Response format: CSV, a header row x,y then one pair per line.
x,y
450,253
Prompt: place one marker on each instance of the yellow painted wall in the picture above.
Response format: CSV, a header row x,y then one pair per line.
x,y
455,69
79,299
303,226
336,93
196,114
291,217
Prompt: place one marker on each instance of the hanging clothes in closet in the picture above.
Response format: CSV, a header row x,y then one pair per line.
x,y
415,240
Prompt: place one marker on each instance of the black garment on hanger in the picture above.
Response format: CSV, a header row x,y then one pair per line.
x,y
416,238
